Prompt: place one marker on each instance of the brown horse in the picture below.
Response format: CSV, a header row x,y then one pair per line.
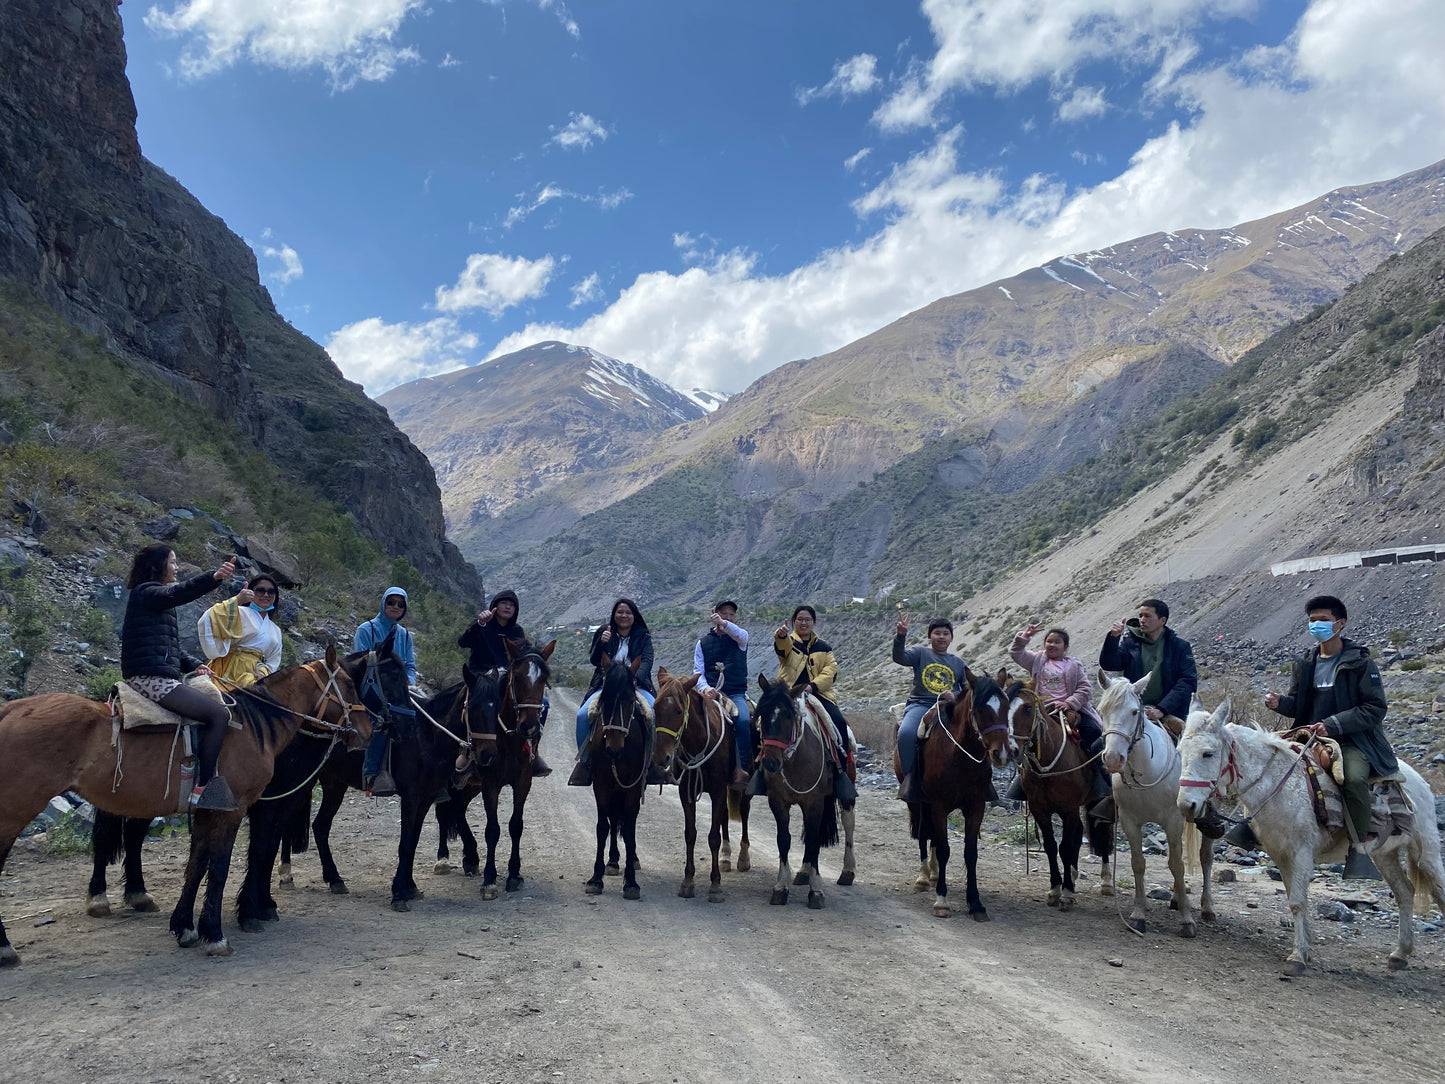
x,y
1053,771
957,763
620,751
695,746
59,741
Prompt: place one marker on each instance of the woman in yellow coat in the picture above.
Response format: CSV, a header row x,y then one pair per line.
x,y
239,636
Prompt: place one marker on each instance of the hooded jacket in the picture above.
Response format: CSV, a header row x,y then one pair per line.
x,y
815,656
639,646
372,634
150,639
487,642
1179,678
1359,717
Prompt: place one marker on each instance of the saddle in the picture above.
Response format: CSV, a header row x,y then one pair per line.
x,y
131,710
824,723
1390,809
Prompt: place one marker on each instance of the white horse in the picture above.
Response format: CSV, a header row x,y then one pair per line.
x,y
1263,773
1145,767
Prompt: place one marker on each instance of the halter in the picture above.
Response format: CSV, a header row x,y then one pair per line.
x,y
1136,735
630,710
970,723
1228,779
709,747
788,749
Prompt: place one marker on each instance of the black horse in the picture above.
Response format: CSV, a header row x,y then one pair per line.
x,y
620,750
110,838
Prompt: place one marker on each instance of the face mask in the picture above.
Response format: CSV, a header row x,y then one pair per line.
x,y
1322,630
262,609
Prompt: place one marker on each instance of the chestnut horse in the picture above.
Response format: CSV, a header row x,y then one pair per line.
x,y
696,748
58,741
1053,771
957,764
619,747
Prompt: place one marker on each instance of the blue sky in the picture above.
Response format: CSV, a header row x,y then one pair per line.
x,y
710,189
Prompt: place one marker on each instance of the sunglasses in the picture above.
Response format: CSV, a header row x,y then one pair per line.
x,y
395,605
267,591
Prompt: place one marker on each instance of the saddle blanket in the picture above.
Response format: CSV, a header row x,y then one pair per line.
x,y
133,710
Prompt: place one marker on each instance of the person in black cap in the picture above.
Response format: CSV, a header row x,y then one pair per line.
x,y
486,639
723,653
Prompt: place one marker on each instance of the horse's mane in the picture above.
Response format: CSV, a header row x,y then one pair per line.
x,y
258,708
984,687
618,683
529,650
1112,694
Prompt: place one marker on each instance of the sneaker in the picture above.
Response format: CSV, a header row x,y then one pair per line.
x,y
216,795
581,775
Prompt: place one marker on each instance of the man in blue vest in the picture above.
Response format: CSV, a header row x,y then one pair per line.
x,y
720,661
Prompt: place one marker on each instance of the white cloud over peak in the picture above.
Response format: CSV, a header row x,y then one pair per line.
x,y
581,131
851,78
288,262
379,356
352,40
494,283
586,291
1083,103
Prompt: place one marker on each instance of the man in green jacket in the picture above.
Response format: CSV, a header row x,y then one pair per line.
x,y
1336,692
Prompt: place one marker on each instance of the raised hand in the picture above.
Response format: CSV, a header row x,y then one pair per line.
x,y
226,571
484,617
1117,629
901,629
1271,701
607,634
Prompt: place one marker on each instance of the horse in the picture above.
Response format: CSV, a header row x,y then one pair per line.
x,y
381,681
1265,775
59,741
958,774
695,746
112,838
1140,755
1053,773
619,747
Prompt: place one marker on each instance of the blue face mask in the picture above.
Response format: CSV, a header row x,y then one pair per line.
x,y
262,609
1322,630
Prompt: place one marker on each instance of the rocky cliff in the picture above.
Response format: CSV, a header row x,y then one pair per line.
x,y
121,250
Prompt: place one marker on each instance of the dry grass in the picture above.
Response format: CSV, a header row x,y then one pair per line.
x,y
874,729
1246,703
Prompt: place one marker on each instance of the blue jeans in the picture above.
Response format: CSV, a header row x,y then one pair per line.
x,y
584,724
908,735
375,751
744,725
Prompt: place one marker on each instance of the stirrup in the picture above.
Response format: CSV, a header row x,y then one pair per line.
x,y
910,790
581,775
843,788
383,785
1358,867
1103,810
1242,836
216,795
539,766
757,785
1210,823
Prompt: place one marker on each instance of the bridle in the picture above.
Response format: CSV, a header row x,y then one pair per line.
x,y
628,710
1226,783
786,749
692,763
1136,734
329,693
971,723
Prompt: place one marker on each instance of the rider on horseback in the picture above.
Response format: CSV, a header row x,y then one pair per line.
x,y
938,678
485,639
800,652
622,639
725,648
240,636
152,662
369,636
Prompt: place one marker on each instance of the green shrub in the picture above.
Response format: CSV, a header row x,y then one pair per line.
x,y
70,835
97,628
1413,664
97,685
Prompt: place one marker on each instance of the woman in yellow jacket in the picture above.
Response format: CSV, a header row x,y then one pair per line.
x,y
239,637
799,649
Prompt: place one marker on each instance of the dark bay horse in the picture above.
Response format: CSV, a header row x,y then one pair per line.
x,y
1053,771
381,681
619,747
57,741
695,747
957,763
112,838
795,764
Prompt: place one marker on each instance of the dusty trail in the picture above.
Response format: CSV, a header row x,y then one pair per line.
x,y
569,987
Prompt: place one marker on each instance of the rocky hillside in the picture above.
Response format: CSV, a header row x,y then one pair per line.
x,y
122,251
512,429
1037,372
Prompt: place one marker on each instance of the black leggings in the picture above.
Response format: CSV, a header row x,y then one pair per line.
x,y
213,717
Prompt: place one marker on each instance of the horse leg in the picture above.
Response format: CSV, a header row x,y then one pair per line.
x,y
1175,833
1134,833
105,841
846,811
726,861
414,805
471,860
812,837
714,840
1395,875
284,877
785,843
1206,888
183,918
744,862
1106,875
594,886
631,890
614,856
490,797
219,840
332,793
514,828
1295,869
689,838
133,835
1044,818
935,830
8,956
973,821
443,864
248,900
1069,849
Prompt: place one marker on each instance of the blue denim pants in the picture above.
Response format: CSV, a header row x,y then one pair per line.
x,y
584,724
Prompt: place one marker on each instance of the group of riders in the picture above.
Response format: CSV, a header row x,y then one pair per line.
x,y
1336,690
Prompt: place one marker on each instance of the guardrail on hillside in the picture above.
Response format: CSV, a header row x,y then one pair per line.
x,y
1398,555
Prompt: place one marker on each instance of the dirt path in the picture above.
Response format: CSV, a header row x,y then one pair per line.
x,y
548,984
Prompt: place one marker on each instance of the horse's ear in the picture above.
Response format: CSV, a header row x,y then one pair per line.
x,y
1002,678
799,685
547,651
637,662
763,683
690,684
1142,684
331,656
1221,714
468,677
662,674
1102,677
969,678
1195,704
513,648
389,644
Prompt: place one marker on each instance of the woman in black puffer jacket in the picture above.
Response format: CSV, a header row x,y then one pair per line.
x,y
152,663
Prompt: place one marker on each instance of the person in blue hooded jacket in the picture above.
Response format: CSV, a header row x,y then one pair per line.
x,y
369,636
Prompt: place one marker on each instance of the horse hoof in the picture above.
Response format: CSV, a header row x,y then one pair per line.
x,y
270,914
8,956
921,885
845,878
942,910
252,925
981,915
338,888
187,938
1189,929
725,865
286,882
1208,916
515,883
815,901
1138,925
1106,890
471,869
715,895
779,898
218,948
744,865
489,892
97,907
612,870
442,868
1066,903
594,888
1053,899
1293,969
800,878
632,892
686,891
141,901
1397,963
400,905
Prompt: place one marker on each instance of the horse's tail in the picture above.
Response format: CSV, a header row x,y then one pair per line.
x,y
298,832
828,823
107,840
1190,843
1101,837
1427,872
915,821
735,805
448,820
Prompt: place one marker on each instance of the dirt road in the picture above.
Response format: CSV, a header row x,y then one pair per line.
x,y
548,984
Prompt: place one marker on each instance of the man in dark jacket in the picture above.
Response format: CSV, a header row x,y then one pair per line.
x,y
720,661
1336,692
486,639
1146,645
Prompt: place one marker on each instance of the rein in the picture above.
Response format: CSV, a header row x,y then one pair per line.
x,y
690,763
330,691
1223,788
462,742
1138,734
626,732
801,728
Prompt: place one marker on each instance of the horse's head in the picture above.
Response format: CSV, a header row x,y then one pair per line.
x,y
380,683
1204,751
1122,712
617,702
1022,705
778,719
484,694
676,701
987,709
527,674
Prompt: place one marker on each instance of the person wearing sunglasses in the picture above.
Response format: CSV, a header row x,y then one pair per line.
x,y
240,636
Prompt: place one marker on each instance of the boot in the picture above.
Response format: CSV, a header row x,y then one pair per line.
x,y
217,795
843,788
740,777
1211,823
539,766
1242,836
911,789
1101,795
757,785
1358,867
581,774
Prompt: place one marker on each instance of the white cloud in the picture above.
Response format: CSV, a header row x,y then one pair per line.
x,y
494,283
582,130
290,269
1083,103
606,201
379,355
449,61
851,78
853,160
558,8
351,40
1354,94
586,291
